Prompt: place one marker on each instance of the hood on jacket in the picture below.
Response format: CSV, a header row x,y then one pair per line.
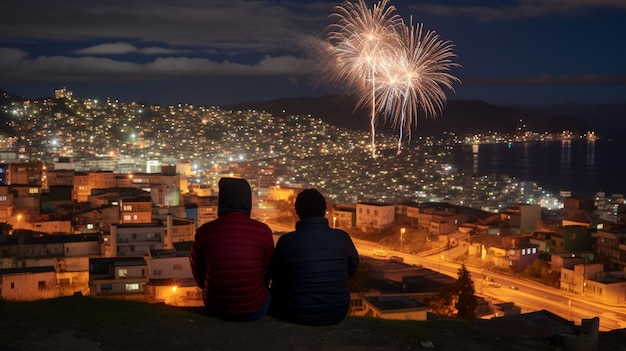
x,y
234,195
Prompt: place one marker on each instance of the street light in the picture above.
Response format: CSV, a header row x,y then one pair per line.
x,y
174,300
402,230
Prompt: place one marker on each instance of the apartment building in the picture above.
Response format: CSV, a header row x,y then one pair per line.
x,y
374,215
118,276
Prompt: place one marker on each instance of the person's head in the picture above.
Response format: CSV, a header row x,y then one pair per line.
x,y
310,203
234,195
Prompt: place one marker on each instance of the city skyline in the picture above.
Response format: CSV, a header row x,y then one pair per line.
x,y
218,53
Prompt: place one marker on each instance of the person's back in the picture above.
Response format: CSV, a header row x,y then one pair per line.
x,y
231,255
311,268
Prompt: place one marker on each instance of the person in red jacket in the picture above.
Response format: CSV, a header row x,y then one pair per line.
x,y
231,255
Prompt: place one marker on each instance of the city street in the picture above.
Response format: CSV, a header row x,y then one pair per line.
x,y
528,295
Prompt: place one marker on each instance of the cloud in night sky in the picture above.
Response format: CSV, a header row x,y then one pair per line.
x,y
262,49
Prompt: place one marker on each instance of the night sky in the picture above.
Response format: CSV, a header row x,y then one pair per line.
x,y
221,52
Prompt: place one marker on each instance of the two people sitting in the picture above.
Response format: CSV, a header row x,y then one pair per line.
x,y
303,279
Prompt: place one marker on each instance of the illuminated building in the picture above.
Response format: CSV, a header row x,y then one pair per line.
x,y
374,215
118,276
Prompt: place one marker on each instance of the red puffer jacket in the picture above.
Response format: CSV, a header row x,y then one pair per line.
x,y
230,260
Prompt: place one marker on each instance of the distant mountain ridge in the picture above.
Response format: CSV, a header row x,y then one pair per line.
x,y
459,116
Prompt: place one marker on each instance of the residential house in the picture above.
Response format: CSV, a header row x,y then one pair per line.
x,y
27,173
170,278
621,214
609,288
161,213
179,230
395,307
85,182
436,219
611,243
544,242
68,254
374,215
575,238
343,216
575,205
202,209
591,281
57,203
164,187
122,277
102,209
565,260
26,204
521,257
60,177
398,290
130,240
523,217
28,283
580,219
573,280
506,309
6,203
135,210
28,245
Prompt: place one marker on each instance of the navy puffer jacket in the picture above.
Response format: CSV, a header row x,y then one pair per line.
x,y
310,273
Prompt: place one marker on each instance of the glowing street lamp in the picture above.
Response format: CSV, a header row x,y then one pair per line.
x,y
174,301
402,231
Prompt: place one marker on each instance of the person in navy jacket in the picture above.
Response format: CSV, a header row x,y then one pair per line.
x,y
311,267
230,256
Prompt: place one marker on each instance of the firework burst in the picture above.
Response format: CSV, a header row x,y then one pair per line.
x,y
359,38
413,78
404,68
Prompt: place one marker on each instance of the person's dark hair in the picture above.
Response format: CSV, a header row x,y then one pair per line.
x,y
310,203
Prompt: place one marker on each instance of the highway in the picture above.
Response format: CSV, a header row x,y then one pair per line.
x,y
528,295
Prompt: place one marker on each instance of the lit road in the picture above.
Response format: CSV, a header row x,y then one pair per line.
x,y
528,295
279,227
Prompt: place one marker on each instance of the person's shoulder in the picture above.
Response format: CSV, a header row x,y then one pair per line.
x,y
258,223
287,236
341,235
207,225
340,232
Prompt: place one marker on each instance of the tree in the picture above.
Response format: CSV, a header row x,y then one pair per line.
x,y
443,303
540,271
466,301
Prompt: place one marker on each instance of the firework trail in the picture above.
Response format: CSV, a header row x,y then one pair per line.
x,y
412,78
359,39
383,59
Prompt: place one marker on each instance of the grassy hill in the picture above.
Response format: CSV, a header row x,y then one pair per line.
x,y
90,324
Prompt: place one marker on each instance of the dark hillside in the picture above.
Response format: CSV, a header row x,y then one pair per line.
x,y
90,324
460,116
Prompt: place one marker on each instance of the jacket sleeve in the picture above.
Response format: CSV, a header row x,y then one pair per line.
x,y
267,258
353,258
198,263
